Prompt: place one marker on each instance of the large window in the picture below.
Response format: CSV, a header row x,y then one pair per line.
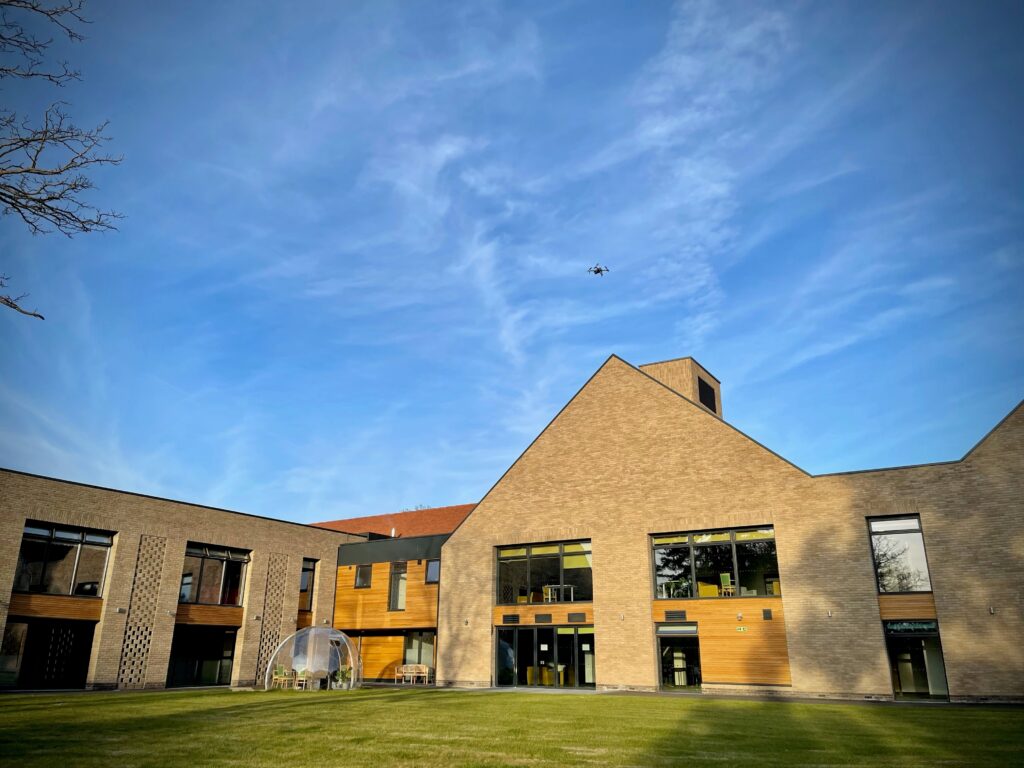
x,y
306,580
545,573
898,549
732,563
396,590
212,575
60,560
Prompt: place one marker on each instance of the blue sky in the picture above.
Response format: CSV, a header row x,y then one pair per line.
x,y
351,277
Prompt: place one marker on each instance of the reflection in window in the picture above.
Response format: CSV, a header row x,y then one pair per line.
x,y
673,572
419,648
898,548
433,571
732,563
62,561
306,584
364,576
396,592
545,573
212,575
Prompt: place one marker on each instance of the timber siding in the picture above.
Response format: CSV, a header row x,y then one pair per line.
x,y
628,456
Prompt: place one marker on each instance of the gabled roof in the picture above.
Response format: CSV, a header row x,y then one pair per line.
x,y
416,522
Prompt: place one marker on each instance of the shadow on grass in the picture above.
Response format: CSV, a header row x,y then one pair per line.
x,y
456,728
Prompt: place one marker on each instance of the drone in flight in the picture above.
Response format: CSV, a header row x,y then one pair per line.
x,y
598,270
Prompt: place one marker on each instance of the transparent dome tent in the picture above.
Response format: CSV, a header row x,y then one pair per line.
x,y
315,659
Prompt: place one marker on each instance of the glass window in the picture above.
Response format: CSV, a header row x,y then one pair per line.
x,y
898,548
545,573
31,562
190,579
92,562
433,571
758,568
211,580
419,648
396,592
736,563
231,591
545,584
54,560
672,572
514,580
306,579
713,570
212,575
364,574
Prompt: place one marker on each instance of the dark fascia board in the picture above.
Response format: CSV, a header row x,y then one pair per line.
x,y
676,360
392,550
170,501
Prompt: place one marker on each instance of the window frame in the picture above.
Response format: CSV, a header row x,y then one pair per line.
x,y
32,530
394,571
692,545
561,567
426,571
312,581
924,546
369,580
240,556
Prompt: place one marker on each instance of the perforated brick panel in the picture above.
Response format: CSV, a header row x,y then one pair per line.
x,y
138,631
273,612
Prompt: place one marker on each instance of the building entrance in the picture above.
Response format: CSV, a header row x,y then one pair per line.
x,y
555,657
915,659
679,655
201,655
45,653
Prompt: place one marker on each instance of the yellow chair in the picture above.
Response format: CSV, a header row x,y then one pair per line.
x,y
706,590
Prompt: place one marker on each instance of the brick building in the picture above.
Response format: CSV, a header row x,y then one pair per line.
x,y
639,542
106,589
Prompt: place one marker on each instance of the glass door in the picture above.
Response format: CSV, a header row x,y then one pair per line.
x,y
556,657
585,658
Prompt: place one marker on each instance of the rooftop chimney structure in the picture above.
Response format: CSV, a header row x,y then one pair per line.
x,y
691,380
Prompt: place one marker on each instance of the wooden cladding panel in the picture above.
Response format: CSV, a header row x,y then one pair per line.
x,y
305,619
219,615
56,607
920,606
747,651
380,656
368,608
559,612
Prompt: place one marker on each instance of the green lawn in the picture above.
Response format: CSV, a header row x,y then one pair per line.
x,y
374,727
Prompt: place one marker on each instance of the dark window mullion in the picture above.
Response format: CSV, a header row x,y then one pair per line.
x,y
561,582
693,566
74,571
735,565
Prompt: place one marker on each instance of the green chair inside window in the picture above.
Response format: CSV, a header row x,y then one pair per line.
x,y
727,585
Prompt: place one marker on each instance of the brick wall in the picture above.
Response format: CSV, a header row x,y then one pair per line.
x,y
132,649
628,457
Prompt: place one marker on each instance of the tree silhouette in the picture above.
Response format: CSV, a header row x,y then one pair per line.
x,y
44,163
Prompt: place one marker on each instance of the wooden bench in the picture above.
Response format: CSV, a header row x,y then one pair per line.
x,y
411,673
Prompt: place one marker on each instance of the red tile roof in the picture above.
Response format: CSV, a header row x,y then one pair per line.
x,y
416,522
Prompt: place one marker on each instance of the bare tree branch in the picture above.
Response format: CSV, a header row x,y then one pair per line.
x,y
42,173
44,165
7,301
26,48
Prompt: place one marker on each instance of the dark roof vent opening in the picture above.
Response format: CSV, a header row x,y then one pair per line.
x,y
706,393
